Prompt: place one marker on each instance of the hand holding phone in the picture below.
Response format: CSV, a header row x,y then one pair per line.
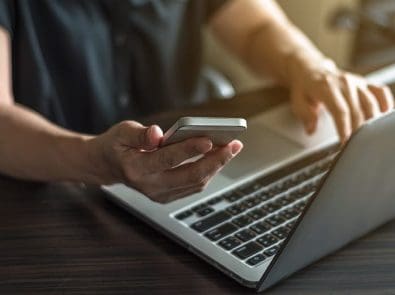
x,y
220,131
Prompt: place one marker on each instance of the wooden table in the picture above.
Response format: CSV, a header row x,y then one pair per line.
x,y
69,239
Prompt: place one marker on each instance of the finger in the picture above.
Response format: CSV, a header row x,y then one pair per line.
x,y
338,107
172,155
200,172
135,135
352,99
369,103
306,111
384,97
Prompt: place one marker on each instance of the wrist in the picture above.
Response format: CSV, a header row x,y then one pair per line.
x,y
98,167
82,160
305,65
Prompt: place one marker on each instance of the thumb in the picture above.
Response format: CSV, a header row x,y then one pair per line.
x,y
305,109
135,135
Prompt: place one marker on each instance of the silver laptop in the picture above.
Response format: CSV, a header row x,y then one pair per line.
x,y
287,200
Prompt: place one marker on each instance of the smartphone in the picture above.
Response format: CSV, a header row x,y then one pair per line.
x,y
221,131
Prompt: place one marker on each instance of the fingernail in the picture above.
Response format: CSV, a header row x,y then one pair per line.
x,y
155,129
236,148
153,135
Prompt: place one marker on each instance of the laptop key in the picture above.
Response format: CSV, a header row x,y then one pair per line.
x,y
267,240
236,209
183,215
215,200
271,207
204,211
243,221
250,188
290,225
256,199
281,232
300,206
247,250
271,251
296,194
211,221
288,183
232,196
263,196
256,259
229,243
249,203
257,214
260,227
288,213
221,231
284,201
275,220
245,235
199,207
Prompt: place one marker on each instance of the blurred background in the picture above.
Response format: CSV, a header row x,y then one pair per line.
x,y
358,34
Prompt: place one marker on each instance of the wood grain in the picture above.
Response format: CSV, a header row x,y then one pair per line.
x,y
69,239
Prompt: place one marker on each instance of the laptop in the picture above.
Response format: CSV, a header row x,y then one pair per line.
x,y
286,201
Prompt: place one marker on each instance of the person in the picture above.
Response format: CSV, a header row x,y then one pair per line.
x,y
74,73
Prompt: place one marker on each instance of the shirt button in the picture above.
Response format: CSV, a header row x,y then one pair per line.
x,y
124,100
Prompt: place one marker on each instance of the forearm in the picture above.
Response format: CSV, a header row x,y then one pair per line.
x,y
260,34
35,149
282,51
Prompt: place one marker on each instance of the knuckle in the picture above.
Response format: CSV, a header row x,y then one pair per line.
x,y
325,82
166,160
342,112
221,162
357,118
196,177
345,77
192,149
124,126
356,115
185,150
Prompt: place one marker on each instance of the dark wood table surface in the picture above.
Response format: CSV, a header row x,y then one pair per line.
x,y
69,239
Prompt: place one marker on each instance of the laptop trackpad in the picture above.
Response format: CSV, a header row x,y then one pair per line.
x,y
283,121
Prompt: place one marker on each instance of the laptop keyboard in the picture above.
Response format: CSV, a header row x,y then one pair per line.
x,y
251,221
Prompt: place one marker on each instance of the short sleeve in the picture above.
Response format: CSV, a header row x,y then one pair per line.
x,y
212,6
7,15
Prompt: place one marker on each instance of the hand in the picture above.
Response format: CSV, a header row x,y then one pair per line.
x,y
349,98
130,153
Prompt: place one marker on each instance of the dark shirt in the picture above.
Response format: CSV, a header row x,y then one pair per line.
x,y
87,64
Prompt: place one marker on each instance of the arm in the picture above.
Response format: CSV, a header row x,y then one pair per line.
x,y
262,36
33,148
30,146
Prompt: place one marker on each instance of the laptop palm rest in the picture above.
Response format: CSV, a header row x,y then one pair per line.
x,y
357,196
273,137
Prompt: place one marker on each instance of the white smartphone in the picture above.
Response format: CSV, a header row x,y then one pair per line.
x,y
220,130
